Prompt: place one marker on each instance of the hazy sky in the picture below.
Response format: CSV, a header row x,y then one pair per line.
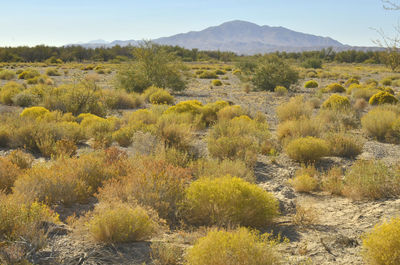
x,y
59,22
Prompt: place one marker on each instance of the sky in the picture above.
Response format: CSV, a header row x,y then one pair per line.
x,y
60,22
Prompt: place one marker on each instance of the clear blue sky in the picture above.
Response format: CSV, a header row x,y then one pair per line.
x,y
59,22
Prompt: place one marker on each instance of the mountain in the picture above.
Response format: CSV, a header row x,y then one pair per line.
x,y
243,38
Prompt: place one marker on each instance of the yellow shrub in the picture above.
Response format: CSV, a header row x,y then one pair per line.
x,y
21,159
121,223
304,183
280,90
216,82
238,247
336,102
307,149
28,74
230,112
335,87
9,91
294,109
190,106
161,97
382,98
381,246
228,201
311,84
34,112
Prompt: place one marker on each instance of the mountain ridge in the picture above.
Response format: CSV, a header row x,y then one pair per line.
x,y
241,37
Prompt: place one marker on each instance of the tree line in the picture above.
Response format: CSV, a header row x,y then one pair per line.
x,y
43,53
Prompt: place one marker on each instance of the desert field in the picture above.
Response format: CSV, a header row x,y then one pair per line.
x,y
197,161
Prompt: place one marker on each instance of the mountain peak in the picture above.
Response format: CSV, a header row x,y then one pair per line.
x,y
241,37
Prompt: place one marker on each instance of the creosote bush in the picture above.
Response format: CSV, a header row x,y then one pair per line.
x,y
121,223
272,71
307,149
381,245
154,66
238,247
228,201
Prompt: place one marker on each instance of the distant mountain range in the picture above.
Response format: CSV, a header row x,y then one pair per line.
x,y
241,37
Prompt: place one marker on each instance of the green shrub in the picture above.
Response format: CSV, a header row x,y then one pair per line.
x,y
311,84
382,98
335,88
337,102
307,149
381,245
239,247
344,145
161,97
208,75
294,109
28,74
52,72
312,63
154,66
216,82
378,122
7,74
226,201
281,90
121,223
371,180
272,71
